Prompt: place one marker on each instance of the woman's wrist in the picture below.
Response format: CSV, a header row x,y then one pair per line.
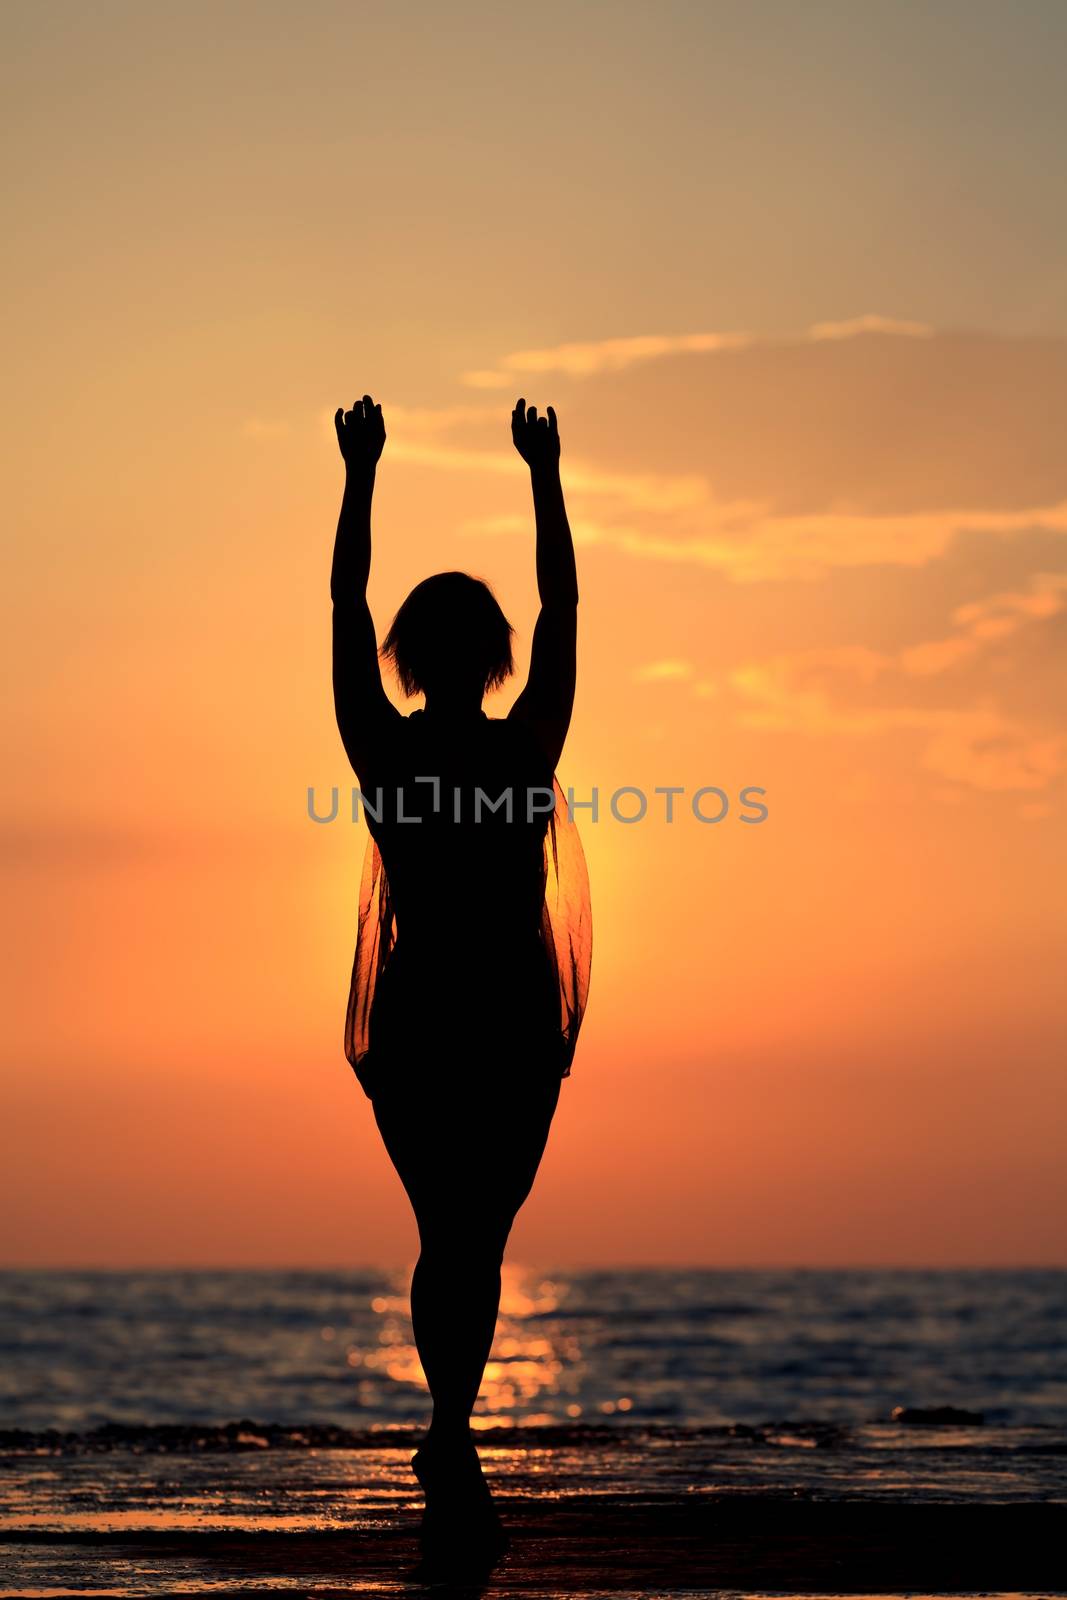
x,y
359,476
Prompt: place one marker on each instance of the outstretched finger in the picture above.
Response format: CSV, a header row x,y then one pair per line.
x,y
368,406
339,423
552,422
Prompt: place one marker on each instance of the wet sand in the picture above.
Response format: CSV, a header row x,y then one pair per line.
x,y
582,1547
642,1513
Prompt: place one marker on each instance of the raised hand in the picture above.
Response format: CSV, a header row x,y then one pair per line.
x,y
536,438
360,433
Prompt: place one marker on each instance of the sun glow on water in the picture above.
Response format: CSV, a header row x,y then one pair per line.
x,y
529,1372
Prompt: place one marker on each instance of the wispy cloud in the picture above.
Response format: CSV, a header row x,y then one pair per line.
x,y
852,327
859,692
865,442
985,622
643,491
669,671
748,546
979,747
582,359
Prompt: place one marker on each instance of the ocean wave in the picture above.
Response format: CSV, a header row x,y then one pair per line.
x,y
249,1435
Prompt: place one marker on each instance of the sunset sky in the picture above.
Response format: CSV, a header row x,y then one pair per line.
x,y
794,277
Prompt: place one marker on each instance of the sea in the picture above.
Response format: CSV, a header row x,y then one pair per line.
x,y
238,1400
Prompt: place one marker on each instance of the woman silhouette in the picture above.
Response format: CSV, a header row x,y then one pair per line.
x,y
472,958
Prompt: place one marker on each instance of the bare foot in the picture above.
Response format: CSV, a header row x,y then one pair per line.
x,y
461,1519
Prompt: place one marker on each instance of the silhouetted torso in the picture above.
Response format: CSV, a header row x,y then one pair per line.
x,y
470,981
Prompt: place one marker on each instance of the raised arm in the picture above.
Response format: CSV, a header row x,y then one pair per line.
x,y
546,701
364,711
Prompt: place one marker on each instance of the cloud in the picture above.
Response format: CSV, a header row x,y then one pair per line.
x,y
671,671
863,443
984,750
935,656
425,436
871,323
897,462
871,459
750,546
978,747
859,692
987,618
581,359
659,492
985,622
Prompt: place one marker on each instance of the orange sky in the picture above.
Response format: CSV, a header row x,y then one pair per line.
x,y
798,296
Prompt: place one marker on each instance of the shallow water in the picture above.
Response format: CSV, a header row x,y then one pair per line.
x,y
681,1347
252,1406
150,1484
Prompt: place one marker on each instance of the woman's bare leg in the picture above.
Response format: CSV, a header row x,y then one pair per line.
x,y
455,1298
466,1180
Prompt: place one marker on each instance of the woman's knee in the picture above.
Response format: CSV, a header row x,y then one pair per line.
x,y
456,1243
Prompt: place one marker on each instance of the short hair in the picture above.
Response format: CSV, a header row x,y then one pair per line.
x,y
449,625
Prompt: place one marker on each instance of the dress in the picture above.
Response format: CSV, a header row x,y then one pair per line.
x,y
475,939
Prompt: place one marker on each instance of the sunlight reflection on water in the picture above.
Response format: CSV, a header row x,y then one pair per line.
x,y
685,1346
640,1386
526,1374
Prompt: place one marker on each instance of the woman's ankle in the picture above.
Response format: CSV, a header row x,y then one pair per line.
x,y
452,1438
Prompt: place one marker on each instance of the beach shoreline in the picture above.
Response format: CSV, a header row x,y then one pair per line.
x,y
585,1546
645,1435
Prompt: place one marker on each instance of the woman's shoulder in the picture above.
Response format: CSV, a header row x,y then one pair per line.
x,y
522,743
